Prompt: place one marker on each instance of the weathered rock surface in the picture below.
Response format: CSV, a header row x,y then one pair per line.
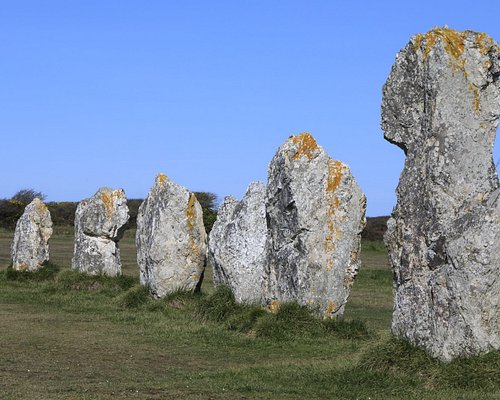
x,y
441,105
30,248
100,222
315,215
236,247
171,239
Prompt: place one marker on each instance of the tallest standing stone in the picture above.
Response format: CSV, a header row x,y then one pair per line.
x,y
441,105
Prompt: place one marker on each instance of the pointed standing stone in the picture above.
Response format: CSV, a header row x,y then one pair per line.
x,y
236,249
171,239
315,214
441,105
30,248
100,222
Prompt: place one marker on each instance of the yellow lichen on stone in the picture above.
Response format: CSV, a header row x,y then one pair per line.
x,y
485,43
307,146
109,202
418,41
331,309
22,267
274,306
162,178
454,45
454,41
191,211
335,173
336,170
475,91
40,206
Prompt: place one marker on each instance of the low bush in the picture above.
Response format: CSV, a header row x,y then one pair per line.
x,y
403,360
353,330
219,306
290,320
74,280
47,272
135,297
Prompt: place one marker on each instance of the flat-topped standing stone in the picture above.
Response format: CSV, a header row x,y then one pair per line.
x,y
236,247
441,105
30,248
315,214
171,239
100,222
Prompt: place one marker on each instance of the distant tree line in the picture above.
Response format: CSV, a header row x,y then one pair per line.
x,y
63,213
375,228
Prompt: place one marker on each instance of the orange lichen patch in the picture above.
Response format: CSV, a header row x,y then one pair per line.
x,y
418,41
336,171
453,41
109,202
485,43
274,306
191,211
162,178
22,267
307,146
475,91
331,309
454,45
40,207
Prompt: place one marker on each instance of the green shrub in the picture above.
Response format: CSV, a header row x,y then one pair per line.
x,y
219,306
47,272
291,320
482,372
354,330
75,280
410,364
245,319
134,297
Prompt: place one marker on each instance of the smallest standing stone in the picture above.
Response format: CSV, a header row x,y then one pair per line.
x,y
30,248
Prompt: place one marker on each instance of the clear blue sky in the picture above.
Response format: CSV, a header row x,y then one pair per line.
x,y
108,93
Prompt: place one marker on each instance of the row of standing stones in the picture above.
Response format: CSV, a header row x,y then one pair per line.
x,y
298,237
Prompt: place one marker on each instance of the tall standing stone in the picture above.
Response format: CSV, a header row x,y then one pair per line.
x,y
171,239
441,105
315,214
236,249
30,248
100,222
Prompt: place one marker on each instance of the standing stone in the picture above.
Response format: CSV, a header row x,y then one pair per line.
x,y
171,239
99,224
315,214
441,105
30,248
236,247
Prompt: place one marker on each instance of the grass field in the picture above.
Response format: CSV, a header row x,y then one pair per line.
x,y
64,336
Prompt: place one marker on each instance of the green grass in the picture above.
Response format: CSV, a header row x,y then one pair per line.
x,y
69,336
